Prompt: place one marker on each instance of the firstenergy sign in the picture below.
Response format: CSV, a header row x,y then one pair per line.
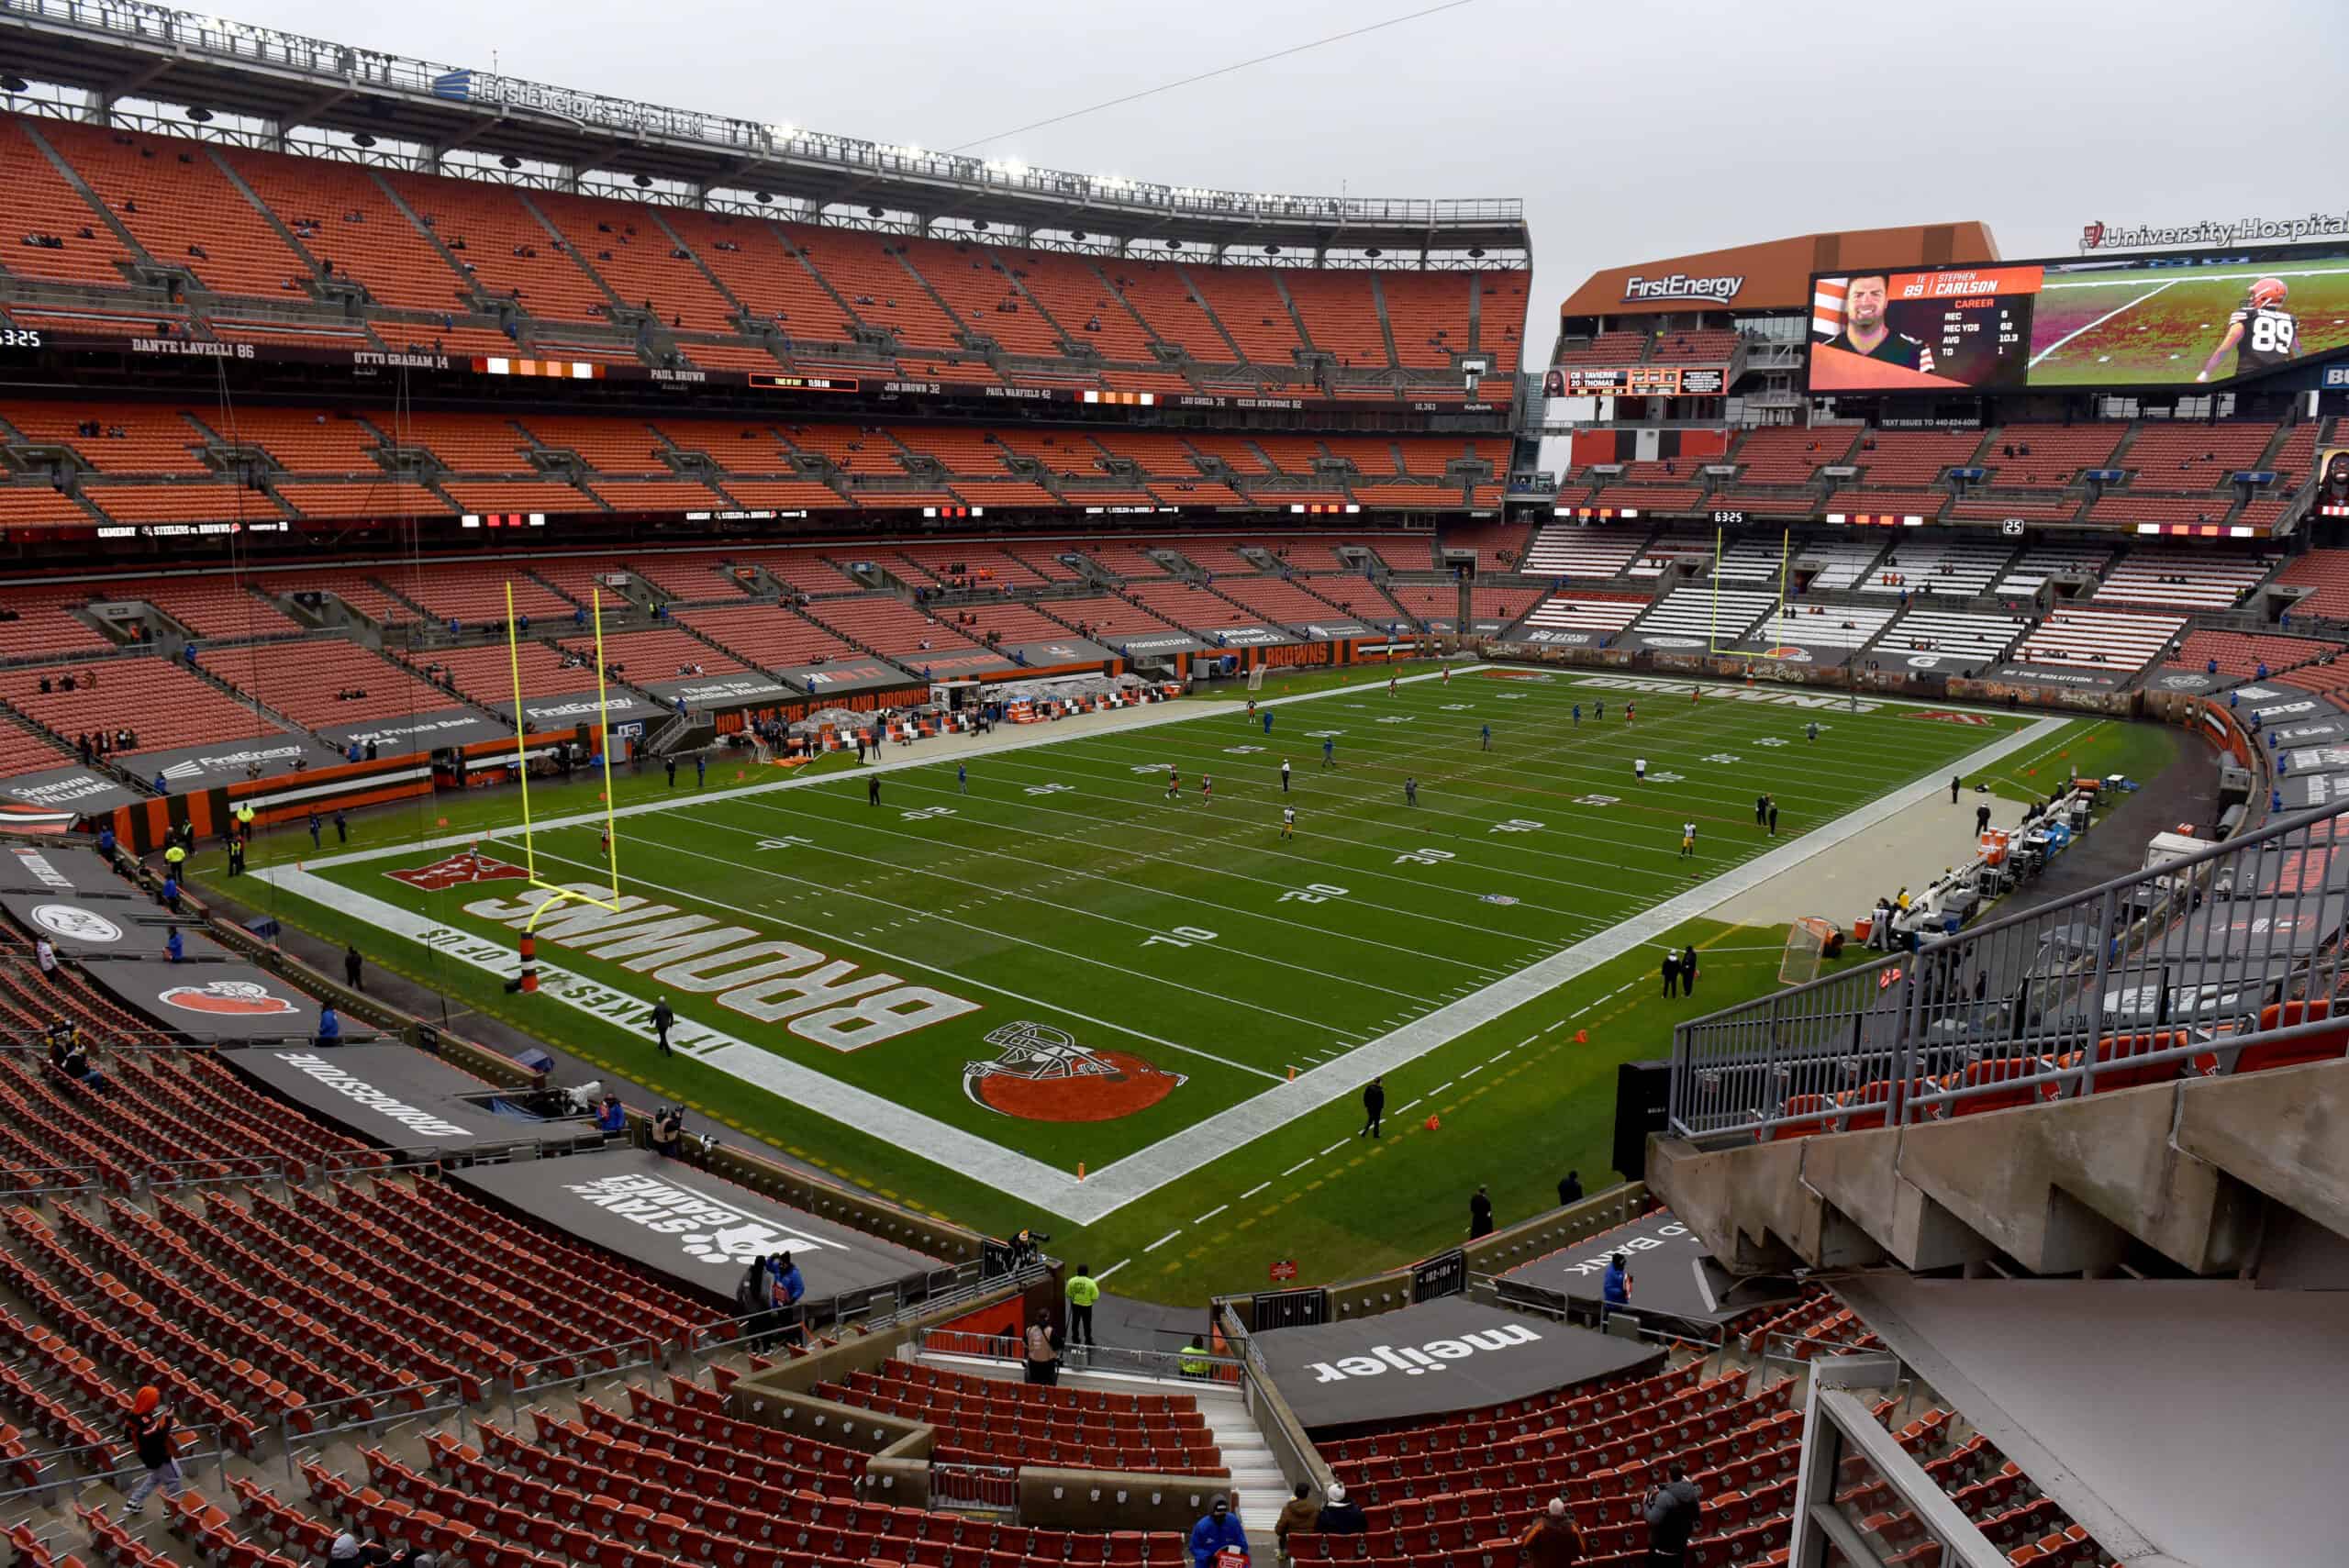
x,y
1640,290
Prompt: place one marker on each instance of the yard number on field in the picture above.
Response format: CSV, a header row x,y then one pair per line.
x,y
1423,857
787,841
922,814
1598,800
1311,893
1726,758
1514,825
1182,937
1050,789
1242,750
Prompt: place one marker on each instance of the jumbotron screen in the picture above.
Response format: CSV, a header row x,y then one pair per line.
x,y
2142,322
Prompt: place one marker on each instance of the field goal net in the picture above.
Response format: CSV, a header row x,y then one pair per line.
x,y
1809,941
1256,678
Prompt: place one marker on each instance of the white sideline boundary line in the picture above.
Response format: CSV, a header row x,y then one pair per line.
x,y
1138,1174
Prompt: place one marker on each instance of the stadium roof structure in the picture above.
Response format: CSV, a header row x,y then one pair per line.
x,y
283,80
1774,274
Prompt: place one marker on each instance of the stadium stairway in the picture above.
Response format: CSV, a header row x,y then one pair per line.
x,y
1255,1478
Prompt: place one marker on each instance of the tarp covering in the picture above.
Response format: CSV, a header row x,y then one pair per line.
x,y
1672,1276
1452,1355
692,1228
211,1001
392,1096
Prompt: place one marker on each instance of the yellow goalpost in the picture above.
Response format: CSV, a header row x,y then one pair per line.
x,y
557,893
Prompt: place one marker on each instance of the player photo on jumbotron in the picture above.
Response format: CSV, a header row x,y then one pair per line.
x,y
1911,332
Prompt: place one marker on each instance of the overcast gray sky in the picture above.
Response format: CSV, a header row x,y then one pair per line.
x,y
1631,131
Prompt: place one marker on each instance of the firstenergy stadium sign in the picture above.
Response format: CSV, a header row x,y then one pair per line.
x,y
1640,290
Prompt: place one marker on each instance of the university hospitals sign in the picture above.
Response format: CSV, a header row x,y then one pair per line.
x,y
2102,235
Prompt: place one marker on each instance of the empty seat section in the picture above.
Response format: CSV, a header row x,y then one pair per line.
x,y
1720,616
748,255
374,498
2240,656
35,620
2047,457
2193,457
2099,638
47,215
863,270
1569,550
2152,575
659,653
1500,323
162,704
179,205
1278,599
354,587
1608,349
39,505
1933,566
979,289
1825,626
209,606
1185,605
119,440
1248,301
1075,295
2041,562
489,228
1893,459
2325,572
1857,503
1428,313
344,220
1341,314
1106,616
627,247
1948,632
485,674
1598,613
467,443
327,683
1162,296
475,592
1791,454
766,635
888,624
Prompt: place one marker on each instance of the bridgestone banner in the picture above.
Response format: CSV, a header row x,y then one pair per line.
x,y
693,1230
392,1096
1450,1354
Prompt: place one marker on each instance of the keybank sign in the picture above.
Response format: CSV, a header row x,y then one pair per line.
x,y
1430,1356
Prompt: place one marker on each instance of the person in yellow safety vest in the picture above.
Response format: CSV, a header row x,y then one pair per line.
x,y
1084,1290
245,818
1193,1363
173,857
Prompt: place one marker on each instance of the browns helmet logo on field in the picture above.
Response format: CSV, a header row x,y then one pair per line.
x,y
465,866
226,998
1043,1074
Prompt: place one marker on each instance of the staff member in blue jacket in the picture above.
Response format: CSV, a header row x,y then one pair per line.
x,y
1218,1532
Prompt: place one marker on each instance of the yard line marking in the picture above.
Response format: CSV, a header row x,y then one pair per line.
x,y
1293,1169
1400,1109
1244,1198
1161,1241
1561,1023
1578,1012
1112,1269
1334,1147
1472,1071
2125,305
1520,1045
1212,1214
1440,1088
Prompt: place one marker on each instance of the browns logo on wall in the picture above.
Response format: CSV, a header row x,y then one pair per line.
x,y
1043,1074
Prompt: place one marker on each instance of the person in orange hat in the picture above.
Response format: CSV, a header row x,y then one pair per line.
x,y
149,1429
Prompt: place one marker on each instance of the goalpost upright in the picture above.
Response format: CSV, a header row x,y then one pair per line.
x,y
558,893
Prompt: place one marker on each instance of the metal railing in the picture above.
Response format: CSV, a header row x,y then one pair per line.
x,y
1187,1366
162,30
43,1493
578,1367
2127,982
974,1485
383,1408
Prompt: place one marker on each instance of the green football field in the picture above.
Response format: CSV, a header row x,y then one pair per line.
x,y
1056,994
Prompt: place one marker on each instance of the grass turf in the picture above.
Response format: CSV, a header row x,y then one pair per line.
x,y
1065,888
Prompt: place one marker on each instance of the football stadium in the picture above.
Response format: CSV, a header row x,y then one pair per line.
x,y
725,846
